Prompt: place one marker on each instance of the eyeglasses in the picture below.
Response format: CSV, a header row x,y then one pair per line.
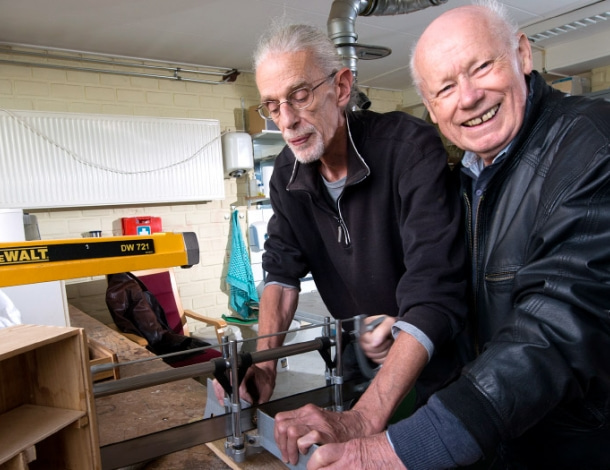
x,y
298,99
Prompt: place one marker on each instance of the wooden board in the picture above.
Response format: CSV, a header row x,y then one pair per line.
x,y
30,424
261,461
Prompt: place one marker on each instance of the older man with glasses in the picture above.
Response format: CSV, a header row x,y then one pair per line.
x,y
363,201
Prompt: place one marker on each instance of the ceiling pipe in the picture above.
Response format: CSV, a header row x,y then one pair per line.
x,y
342,31
119,66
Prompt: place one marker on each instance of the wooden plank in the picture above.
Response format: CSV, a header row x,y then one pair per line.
x,y
261,461
99,354
30,337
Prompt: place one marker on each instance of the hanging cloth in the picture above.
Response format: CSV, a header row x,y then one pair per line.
x,y
243,297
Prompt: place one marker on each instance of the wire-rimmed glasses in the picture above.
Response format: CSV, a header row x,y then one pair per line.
x,y
298,99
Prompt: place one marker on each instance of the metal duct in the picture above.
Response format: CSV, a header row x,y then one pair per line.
x,y
342,31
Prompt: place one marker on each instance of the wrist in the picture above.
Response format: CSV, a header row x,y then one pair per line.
x,y
269,366
374,417
370,423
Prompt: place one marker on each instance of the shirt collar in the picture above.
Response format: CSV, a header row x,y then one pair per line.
x,y
475,164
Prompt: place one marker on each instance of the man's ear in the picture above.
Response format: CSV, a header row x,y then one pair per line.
x,y
525,54
343,81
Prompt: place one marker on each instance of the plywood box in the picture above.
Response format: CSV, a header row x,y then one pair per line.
x,y
46,401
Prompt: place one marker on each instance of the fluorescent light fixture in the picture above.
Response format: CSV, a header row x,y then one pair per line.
x,y
569,27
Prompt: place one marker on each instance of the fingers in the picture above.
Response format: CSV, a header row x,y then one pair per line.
x,y
244,393
256,387
249,388
325,456
377,343
291,426
219,392
264,382
304,443
358,454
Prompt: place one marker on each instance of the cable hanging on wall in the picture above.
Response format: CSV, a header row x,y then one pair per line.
x,y
120,66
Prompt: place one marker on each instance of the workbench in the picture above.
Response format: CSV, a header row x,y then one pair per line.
x,y
132,414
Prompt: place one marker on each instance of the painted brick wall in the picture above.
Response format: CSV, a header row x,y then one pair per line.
x,y
202,287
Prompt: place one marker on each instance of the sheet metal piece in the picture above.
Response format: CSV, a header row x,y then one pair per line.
x,y
265,433
213,407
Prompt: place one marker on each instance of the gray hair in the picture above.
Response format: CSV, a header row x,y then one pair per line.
x,y
282,38
503,24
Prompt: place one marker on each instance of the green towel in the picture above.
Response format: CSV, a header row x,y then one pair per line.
x,y
239,320
243,294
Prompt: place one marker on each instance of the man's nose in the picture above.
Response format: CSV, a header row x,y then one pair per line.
x,y
288,116
470,93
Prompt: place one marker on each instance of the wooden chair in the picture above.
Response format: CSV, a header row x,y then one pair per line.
x,y
162,284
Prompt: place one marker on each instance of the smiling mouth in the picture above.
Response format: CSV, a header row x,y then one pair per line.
x,y
486,117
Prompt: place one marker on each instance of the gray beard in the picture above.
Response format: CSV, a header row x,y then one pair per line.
x,y
310,155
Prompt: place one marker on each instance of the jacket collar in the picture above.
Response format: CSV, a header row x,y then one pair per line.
x,y
539,92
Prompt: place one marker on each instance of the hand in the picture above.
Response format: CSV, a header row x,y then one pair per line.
x,y
257,385
297,430
369,453
377,343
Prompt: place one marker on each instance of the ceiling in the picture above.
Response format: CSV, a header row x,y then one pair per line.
x,y
223,33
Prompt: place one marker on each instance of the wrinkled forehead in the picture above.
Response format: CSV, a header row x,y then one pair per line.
x,y
280,73
453,43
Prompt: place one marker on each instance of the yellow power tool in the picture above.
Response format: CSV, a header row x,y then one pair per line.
x,y
34,261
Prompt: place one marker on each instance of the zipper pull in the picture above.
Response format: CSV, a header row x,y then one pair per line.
x,y
339,233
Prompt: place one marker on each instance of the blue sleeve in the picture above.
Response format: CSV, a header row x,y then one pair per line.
x,y
433,438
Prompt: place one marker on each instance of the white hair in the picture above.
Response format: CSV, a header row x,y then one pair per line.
x,y
291,38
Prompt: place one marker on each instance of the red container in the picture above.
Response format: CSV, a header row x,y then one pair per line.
x,y
144,225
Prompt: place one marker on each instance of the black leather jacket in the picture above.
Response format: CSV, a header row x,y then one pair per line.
x,y
540,383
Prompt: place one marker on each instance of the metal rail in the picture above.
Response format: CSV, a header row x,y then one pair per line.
x,y
211,367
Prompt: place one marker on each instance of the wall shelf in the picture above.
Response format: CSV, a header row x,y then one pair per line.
x,y
270,137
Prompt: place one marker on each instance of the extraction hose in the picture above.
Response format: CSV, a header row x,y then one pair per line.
x,y
342,20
